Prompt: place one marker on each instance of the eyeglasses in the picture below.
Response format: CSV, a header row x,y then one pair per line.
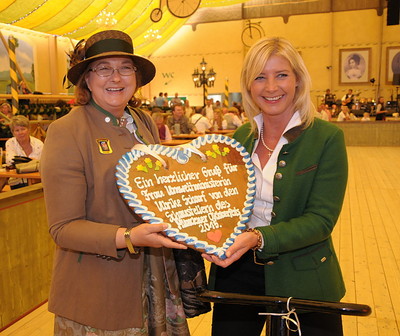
x,y
106,71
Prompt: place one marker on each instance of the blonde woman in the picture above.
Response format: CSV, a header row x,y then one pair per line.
x,y
301,175
6,112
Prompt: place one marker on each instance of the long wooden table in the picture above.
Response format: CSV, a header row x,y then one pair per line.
x,y
174,142
221,131
185,136
6,174
13,173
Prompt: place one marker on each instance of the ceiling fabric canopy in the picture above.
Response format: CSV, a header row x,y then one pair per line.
x,y
78,19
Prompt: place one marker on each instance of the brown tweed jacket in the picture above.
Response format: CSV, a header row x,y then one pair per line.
x,y
93,283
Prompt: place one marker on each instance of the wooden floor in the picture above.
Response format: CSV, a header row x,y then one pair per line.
x,y
367,240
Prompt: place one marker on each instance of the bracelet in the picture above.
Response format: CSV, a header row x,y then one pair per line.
x,y
259,238
129,246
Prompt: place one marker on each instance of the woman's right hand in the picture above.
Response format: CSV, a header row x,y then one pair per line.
x,y
149,235
244,242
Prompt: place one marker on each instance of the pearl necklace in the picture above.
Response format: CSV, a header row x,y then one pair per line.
x,y
270,151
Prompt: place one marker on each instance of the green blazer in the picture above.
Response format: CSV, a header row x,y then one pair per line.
x,y
309,187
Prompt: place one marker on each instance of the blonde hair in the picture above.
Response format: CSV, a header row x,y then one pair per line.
x,y
253,65
8,106
156,116
19,120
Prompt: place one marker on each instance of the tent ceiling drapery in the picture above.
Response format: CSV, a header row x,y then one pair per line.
x,y
77,19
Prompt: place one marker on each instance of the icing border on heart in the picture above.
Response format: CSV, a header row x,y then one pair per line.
x,y
182,155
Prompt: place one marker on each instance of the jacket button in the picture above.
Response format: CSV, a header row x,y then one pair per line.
x,y
276,198
282,163
278,176
323,259
270,263
273,214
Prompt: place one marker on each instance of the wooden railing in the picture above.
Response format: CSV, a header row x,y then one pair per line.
x,y
39,98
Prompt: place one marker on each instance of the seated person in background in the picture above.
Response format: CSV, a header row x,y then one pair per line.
x,y
217,125
6,110
163,130
352,116
5,119
21,144
166,102
177,122
231,120
366,117
189,111
344,114
380,109
323,112
199,121
334,111
176,100
209,110
241,114
23,88
153,102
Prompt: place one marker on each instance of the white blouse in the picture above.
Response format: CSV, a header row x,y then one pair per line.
x,y
13,148
263,202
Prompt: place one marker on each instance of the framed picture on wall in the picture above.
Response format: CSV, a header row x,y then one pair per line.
x,y
392,65
354,65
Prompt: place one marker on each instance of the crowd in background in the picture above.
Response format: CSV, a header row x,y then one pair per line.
x,y
175,116
350,108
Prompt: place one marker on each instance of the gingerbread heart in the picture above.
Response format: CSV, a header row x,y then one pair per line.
x,y
204,190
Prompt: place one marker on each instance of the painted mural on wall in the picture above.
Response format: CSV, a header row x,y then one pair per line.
x,y
24,52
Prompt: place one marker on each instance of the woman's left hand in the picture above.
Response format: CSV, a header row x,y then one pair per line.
x,y
243,243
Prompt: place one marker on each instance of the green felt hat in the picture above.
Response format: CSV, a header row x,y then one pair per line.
x,y
108,43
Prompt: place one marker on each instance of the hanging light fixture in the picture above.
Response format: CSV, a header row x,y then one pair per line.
x,y
203,79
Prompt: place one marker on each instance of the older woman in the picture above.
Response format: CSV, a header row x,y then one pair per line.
x,y
301,175
21,144
104,282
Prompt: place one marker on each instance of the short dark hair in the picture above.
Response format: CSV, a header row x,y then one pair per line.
x,y
356,58
175,105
